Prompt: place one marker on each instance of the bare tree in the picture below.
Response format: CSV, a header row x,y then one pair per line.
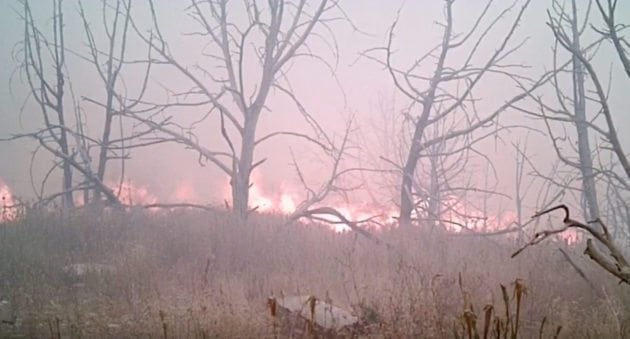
x,y
446,99
49,90
579,108
273,34
63,133
566,24
606,162
613,32
604,249
109,63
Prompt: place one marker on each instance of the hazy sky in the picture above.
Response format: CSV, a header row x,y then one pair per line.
x,y
366,89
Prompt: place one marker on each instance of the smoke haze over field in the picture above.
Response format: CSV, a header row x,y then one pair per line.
x,y
207,168
361,89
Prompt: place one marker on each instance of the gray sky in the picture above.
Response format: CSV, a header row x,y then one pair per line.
x,y
366,87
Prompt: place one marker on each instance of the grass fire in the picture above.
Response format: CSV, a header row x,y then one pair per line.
x,y
314,169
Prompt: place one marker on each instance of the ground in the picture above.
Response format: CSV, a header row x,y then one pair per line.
x,y
193,274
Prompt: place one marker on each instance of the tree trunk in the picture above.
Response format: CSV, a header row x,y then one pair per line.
x,y
434,194
242,174
105,139
59,50
409,171
589,192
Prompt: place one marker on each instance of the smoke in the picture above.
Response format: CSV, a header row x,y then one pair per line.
x,y
180,179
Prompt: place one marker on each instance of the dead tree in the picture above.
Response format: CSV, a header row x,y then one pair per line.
x,y
49,90
233,93
109,62
604,251
446,100
572,104
63,133
604,163
612,32
612,168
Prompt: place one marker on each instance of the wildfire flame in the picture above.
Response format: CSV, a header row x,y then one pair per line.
x,y
185,192
286,202
259,200
7,209
131,194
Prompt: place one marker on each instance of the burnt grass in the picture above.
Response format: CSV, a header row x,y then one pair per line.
x,y
201,274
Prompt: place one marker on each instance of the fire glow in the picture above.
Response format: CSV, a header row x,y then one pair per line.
x,y
457,218
131,194
7,209
284,202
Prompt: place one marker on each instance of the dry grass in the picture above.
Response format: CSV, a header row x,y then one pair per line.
x,y
199,275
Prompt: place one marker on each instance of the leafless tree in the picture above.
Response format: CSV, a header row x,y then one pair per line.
x,y
448,122
43,61
604,250
109,61
612,32
48,90
579,110
232,91
567,24
587,106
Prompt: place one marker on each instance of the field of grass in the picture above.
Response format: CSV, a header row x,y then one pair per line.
x,y
193,274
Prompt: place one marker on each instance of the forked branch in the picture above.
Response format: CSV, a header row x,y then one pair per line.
x,y
319,213
614,261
